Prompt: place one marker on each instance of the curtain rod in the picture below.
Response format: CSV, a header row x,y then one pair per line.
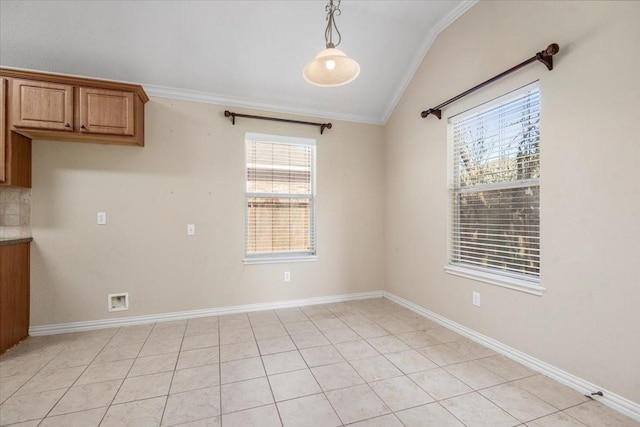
x,y
545,56
233,116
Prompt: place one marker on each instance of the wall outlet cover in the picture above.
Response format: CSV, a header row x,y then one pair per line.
x,y
476,299
102,218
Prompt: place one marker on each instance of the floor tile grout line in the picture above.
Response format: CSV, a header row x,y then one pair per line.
x,y
76,380
318,384
126,376
298,349
404,375
128,370
273,396
358,373
62,349
173,374
559,411
379,320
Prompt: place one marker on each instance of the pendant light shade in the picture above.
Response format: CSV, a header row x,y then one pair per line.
x,y
331,67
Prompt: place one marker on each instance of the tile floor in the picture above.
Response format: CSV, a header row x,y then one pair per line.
x,y
361,363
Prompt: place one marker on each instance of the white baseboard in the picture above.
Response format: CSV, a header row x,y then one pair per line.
x,y
612,400
619,403
62,328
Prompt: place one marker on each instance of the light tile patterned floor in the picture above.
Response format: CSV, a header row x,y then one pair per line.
x,y
361,363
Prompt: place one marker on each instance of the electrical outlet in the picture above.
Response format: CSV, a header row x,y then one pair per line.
x,y
476,299
102,218
287,276
191,229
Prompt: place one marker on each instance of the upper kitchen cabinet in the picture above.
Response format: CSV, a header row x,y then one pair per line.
x,y
15,150
42,105
3,136
107,112
57,107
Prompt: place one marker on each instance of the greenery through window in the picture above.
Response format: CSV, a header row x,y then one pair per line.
x,y
495,187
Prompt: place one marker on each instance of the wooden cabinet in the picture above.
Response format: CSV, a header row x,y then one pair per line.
x,y
15,150
14,294
57,107
41,105
3,126
107,112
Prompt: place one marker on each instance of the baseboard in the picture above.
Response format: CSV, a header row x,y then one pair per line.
x,y
62,328
619,403
612,400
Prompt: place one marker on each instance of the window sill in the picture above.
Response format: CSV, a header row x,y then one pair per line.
x,y
521,285
280,259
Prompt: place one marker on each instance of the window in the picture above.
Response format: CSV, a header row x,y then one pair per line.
x,y
280,198
495,192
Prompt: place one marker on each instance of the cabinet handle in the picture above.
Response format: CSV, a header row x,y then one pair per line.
x,y
67,125
83,127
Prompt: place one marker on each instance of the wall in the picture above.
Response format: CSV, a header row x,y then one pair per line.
x,y
191,171
587,322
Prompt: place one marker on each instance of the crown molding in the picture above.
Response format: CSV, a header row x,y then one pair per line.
x,y
422,52
230,101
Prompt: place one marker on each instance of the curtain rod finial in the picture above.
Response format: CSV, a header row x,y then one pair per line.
x,y
552,49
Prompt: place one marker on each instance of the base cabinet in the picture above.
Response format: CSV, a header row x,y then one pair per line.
x,y
14,294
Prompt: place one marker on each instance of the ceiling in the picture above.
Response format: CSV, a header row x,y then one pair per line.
x,y
235,53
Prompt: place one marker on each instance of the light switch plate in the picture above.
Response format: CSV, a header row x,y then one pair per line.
x,y
191,229
102,218
476,299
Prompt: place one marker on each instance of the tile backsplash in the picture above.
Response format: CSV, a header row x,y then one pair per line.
x,y
15,212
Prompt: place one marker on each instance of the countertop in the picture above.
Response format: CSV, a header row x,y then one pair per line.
x,y
15,241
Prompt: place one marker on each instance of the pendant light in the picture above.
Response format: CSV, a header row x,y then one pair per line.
x,y
331,67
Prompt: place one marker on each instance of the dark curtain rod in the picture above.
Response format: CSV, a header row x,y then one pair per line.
x,y
545,56
233,116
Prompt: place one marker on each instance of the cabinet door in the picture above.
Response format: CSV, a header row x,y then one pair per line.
x,y
42,105
3,129
107,112
14,294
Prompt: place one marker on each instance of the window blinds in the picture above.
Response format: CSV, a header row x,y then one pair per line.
x,y
495,186
279,196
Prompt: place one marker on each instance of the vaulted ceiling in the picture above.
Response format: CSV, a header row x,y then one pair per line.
x,y
237,53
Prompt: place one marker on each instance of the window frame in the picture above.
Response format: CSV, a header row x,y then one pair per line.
x,y
290,256
494,276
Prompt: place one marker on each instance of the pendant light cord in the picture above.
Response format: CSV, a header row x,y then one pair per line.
x,y
331,24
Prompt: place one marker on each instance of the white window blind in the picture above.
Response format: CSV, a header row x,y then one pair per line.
x,y
495,190
280,196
